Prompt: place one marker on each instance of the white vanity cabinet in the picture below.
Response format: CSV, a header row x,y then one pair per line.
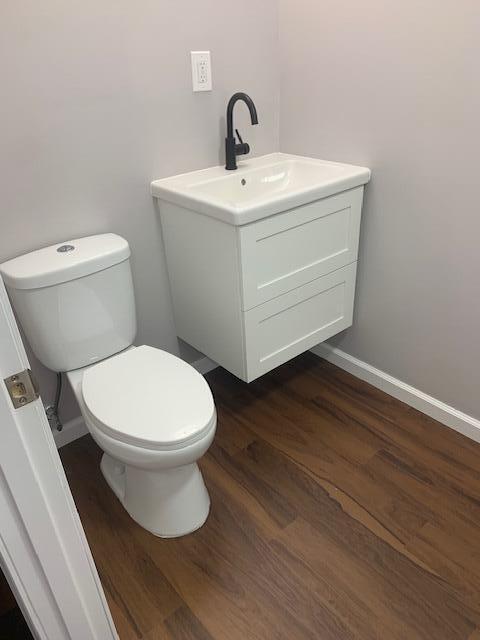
x,y
252,296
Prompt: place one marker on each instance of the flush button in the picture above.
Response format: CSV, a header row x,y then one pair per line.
x,y
65,248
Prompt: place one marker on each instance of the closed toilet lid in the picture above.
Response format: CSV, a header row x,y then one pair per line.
x,y
148,397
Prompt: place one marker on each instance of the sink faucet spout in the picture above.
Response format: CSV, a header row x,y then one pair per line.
x,y
232,149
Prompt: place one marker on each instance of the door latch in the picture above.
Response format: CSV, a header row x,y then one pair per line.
x,y
22,388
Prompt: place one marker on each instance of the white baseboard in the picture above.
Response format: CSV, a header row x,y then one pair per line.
x,y
72,430
444,413
204,365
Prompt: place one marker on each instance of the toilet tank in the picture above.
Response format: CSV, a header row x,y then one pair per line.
x,y
74,300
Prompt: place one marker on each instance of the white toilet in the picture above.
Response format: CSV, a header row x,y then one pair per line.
x,y
152,414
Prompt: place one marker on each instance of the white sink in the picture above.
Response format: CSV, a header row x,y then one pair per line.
x,y
260,187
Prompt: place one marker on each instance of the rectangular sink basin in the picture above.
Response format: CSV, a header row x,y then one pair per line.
x,y
260,187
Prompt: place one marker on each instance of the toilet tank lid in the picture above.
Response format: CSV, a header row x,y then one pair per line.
x,y
64,261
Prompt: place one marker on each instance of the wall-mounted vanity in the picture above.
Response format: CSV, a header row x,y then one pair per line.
x,y
262,261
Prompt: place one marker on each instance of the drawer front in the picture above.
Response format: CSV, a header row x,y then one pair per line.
x,y
293,323
283,252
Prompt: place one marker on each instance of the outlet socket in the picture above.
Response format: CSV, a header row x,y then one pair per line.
x,y
201,71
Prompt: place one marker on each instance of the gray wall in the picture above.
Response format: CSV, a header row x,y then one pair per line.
x,y
395,86
97,101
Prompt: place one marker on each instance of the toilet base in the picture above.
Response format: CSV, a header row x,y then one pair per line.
x,y
167,502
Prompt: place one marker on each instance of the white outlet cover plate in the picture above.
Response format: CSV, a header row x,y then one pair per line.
x,y
201,71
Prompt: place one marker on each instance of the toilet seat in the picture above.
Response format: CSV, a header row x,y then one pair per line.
x,y
148,398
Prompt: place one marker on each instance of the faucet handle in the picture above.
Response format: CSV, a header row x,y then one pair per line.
x,y
243,148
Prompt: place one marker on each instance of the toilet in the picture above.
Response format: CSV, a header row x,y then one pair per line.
x,y
152,414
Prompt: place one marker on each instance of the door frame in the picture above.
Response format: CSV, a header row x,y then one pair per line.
x,y
44,553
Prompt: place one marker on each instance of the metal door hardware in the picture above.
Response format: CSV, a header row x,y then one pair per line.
x,y
22,388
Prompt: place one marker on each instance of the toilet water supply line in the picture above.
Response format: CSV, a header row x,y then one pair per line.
x,y
52,410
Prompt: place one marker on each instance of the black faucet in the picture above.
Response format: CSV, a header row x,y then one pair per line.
x,y
232,149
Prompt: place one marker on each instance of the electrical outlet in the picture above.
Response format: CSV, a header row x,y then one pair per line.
x,y
201,71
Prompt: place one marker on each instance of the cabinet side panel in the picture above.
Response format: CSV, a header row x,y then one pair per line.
x,y
202,260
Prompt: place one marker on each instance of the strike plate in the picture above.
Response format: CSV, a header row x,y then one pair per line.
x,y
22,388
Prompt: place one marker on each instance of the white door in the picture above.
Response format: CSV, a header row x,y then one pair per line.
x,y
43,550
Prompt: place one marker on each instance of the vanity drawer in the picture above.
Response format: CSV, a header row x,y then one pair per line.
x,y
287,250
281,329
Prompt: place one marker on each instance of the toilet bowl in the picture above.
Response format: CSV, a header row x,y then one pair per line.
x,y
151,413
153,416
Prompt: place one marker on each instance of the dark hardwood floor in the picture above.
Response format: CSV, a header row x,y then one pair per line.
x,y
12,623
337,513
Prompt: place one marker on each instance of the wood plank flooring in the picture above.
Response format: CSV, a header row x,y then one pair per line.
x,y
12,623
337,513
